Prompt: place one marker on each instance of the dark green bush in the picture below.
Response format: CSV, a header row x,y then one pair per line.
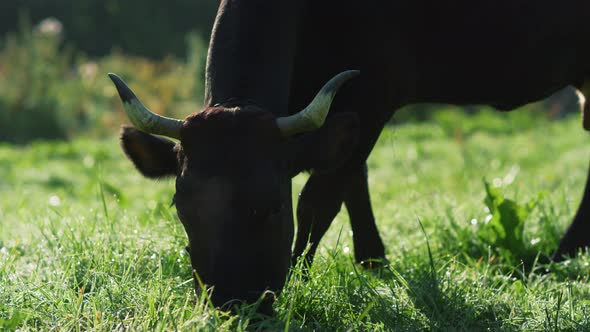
x,y
48,92
28,105
143,27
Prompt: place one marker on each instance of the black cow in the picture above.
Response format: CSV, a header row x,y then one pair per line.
x,y
267,59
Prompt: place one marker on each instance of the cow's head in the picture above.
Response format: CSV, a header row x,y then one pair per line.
x,y
233,167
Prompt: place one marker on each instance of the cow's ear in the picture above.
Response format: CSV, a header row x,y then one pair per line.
x,y
326,148
153,156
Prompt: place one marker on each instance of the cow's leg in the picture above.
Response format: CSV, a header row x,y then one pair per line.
x,y
578,233
321,200
373,97
367,242
324,194
584,106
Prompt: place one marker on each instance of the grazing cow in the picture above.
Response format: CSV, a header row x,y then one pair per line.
x,y
268,58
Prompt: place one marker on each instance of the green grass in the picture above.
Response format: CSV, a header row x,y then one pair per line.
x,y
87,243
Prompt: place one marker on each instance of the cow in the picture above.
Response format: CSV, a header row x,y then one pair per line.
x,y
267,59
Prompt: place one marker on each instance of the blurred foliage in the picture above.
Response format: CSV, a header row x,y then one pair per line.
x,y
141,27
459,122
49,92
556,106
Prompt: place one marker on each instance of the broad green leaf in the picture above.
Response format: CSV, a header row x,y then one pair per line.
x,y
505,227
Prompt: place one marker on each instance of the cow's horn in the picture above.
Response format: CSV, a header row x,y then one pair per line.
x,y
141,117
314,115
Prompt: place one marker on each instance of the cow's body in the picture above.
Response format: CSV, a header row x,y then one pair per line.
x,y
276,55
504,53
501,53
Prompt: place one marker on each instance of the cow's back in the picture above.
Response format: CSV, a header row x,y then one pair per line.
x,y
503,52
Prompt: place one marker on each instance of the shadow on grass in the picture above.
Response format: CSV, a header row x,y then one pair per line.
x,y
449,309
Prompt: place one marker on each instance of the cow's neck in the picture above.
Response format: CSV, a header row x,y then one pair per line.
x,y
251,53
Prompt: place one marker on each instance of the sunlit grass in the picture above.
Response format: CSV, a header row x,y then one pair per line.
x,y
87,243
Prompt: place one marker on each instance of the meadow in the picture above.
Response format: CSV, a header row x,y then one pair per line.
x,y
87,244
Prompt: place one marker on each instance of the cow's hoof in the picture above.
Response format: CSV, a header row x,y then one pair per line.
x,y
575,238
558,257
374,263
370,254
564,254
568,250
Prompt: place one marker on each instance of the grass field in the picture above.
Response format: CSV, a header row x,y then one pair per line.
x,y
87,244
